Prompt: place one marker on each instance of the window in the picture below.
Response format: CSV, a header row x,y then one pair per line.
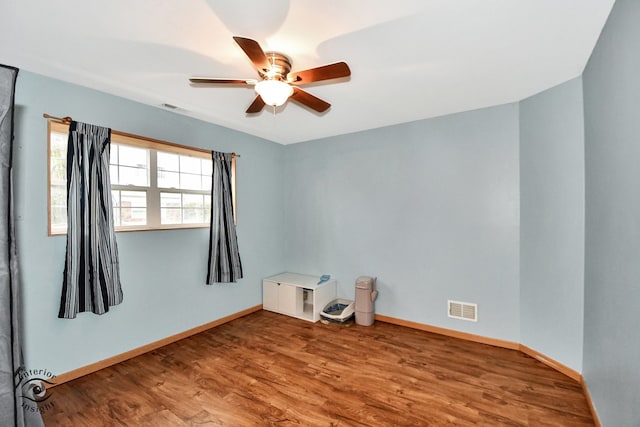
x,y
154,184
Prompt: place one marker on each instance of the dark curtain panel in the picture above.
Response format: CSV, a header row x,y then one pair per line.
x,y
91,272
224,259
15,409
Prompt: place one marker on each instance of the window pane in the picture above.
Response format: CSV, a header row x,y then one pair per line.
x,y
168,162
133,176
115,198
193,208
207,208
190,164
170,208
168,179
136,199
58,217
133,216
193,216
113,174
58,206
179,208
206,182
190,181
207,168
58,145
116,217
59,196
133,156
193,201
58,170
171,216
113,154
170,200
133,209
115,201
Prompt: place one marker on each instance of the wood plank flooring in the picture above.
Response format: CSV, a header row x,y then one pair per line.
x,y
268,369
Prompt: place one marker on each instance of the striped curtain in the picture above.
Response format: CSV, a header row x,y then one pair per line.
x,y
17,409
224,259
91,271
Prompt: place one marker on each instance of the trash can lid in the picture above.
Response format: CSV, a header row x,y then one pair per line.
x,y
364,282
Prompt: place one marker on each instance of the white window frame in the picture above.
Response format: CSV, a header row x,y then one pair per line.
x,y
153,221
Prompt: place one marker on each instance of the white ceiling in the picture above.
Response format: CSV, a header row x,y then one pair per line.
x,y
410,59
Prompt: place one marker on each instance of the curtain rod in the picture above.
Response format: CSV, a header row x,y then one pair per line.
x,y
67,121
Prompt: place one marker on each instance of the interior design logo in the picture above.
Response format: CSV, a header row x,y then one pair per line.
x,y
33,385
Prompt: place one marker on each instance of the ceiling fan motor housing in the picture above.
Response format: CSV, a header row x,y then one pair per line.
x,y
280,67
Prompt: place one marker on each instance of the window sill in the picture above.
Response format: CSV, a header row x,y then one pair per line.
x,y
54,233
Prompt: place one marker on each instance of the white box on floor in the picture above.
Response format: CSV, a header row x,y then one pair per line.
x,y
297,295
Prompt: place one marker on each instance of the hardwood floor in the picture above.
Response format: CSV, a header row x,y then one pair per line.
x,y
269,369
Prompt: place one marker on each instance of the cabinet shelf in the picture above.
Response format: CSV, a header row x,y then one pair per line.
x,y
297,295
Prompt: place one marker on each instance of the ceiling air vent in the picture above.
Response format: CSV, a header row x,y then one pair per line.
x,y
463,310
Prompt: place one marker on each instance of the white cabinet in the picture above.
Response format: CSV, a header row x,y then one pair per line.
x,y
270,291
281,297
297,295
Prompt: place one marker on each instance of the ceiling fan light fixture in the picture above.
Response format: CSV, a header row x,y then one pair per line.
x,y
274,92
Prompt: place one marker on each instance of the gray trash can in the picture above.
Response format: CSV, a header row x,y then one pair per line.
x,y
365,296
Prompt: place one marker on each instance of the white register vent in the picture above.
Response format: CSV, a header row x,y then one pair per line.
x,y
463,310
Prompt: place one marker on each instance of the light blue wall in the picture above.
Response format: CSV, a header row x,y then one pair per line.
x,y
612,273
552,223
431,208
482,206
163,272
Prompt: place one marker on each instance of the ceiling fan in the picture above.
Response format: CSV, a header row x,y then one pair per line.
x,y
277,82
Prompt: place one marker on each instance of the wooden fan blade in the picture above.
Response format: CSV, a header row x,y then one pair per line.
x,y
325,72
255,53
256,106
210,80
305,98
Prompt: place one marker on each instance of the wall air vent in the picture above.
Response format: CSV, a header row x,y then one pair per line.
x,y
463,310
